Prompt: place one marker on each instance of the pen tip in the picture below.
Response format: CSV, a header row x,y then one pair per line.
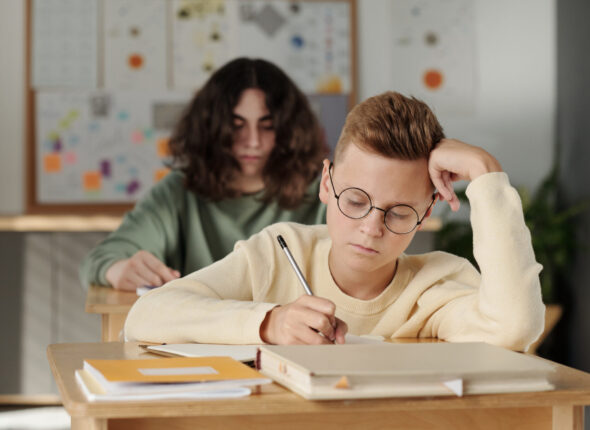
x,y
281,241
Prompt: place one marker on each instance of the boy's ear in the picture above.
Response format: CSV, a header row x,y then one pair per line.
x,y
429,211
324,183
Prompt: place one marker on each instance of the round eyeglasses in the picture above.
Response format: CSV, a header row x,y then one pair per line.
x,y
355,203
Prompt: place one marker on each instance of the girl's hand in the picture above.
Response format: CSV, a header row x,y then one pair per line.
x,y
141,269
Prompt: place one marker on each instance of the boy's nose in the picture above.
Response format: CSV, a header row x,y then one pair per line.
x,y
372,224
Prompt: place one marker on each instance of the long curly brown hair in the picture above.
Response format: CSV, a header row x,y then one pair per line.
x,y
201,144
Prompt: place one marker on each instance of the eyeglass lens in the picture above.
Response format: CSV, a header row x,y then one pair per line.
x,y
355,203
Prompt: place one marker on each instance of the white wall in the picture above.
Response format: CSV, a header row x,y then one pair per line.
x,y
514,118
12,92
516,66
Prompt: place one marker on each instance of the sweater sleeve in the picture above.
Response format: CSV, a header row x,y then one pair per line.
x,y
507,308
217,304
152,225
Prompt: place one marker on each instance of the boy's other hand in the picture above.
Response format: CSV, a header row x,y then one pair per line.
x,y
308,320
142,269
453,160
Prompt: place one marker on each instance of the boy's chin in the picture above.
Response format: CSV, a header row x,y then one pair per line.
x,y
367,265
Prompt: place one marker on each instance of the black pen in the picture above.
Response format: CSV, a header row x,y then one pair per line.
x,y
294,265
297,272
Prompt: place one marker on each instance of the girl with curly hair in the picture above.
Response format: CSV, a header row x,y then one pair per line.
x,y
247,153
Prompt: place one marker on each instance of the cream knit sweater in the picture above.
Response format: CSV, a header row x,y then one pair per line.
x,y
432,295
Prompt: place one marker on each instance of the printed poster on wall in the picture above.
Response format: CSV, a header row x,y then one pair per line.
x,y
434,53
65,39
135,44
309,40
200,34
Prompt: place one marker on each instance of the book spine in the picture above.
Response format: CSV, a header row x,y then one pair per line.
x,y
282,371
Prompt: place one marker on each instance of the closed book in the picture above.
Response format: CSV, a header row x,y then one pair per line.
x,y
402,370
166,378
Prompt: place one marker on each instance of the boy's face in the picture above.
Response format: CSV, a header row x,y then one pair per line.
x,y
365,246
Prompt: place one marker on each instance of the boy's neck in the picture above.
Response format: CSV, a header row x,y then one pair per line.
x,y
361,285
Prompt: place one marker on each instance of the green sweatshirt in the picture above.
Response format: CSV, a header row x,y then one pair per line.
x,y
187,232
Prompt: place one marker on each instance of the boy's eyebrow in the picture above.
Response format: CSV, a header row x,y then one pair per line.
x,y
413,204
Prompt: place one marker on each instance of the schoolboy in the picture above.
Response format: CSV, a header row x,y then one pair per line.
x,y
391,156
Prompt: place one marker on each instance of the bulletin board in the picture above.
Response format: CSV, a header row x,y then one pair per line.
x,y
108,79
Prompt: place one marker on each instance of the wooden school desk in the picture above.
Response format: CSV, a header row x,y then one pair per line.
x,y
113,306
276,407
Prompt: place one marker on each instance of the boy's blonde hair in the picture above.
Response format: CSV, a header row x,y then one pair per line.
x,y
393,126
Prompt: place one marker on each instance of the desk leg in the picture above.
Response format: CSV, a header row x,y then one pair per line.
x,y
568,417
112,324
89,424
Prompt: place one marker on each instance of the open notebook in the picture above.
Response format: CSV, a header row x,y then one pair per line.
x,y
244,353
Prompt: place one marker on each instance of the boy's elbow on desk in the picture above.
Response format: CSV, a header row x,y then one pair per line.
x,y
141,320
521,327
520,333
130,334
518,339
515,330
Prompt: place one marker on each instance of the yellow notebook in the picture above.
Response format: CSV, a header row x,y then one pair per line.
x,y
166,378
181,369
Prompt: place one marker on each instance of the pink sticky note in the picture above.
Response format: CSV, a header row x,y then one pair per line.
x,y
70,157
137,136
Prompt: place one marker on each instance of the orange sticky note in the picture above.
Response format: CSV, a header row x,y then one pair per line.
x,y
162,147
52,163
160,173
92,181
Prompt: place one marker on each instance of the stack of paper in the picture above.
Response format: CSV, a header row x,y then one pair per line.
x,y
167,378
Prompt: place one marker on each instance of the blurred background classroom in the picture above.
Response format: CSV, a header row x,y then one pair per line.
x,y
89,91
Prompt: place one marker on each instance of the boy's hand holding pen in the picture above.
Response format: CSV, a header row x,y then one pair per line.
x,y
307,320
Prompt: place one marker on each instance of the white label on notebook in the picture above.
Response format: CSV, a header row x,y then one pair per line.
x,y
201,370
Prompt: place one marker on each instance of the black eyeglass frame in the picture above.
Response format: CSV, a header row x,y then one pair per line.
x,y
371,207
